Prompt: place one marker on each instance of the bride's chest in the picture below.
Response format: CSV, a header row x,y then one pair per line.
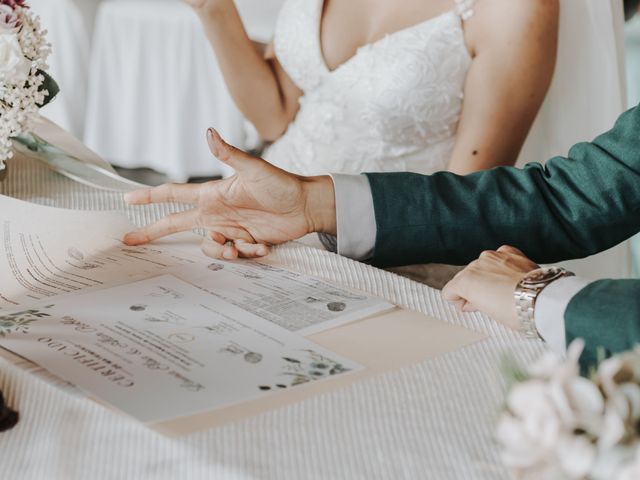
x,y
405,88
344,26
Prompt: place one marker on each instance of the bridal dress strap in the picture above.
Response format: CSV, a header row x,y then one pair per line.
x,y
464,8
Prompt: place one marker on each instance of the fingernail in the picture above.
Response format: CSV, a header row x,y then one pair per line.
x,y
211,140
134,238
262,251
228,254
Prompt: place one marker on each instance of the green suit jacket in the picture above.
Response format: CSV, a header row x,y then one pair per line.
x,y
570,208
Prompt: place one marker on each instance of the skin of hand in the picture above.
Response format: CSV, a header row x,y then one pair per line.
x,y
203,5
487,284
260,206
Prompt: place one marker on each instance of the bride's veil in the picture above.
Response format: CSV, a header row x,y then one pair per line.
x,y
588,91
587,94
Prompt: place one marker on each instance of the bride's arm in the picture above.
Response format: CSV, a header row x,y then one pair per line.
x,y
514,47
260,87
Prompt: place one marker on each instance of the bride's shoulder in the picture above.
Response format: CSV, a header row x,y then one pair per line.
x,y
490,13
508,21
527,8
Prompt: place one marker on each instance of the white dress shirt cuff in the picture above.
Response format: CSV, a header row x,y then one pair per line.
x,y
550,309
355,218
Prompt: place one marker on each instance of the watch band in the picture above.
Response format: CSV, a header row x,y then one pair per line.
x,y
527,292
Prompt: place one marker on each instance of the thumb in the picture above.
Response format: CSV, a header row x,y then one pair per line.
x,y
235,158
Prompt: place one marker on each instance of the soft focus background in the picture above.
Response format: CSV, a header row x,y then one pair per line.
x,y
140,85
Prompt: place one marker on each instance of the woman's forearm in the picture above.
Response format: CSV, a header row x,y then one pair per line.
x,y
250,78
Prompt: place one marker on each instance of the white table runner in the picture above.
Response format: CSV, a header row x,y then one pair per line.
x,y
433,420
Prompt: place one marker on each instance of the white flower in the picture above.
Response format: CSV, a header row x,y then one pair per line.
x,y
632,470
551,365
607,372
561,425
9,20
14,66
576,455
612,462
613,428
23,54
579,403
530,430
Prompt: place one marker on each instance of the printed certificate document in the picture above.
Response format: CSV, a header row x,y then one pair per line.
x,y
49,252
182,342
161,348
296,302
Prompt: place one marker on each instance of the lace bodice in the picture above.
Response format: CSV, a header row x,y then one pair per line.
x,y
394,106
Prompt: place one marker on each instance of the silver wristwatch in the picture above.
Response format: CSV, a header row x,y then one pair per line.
x,y
527,292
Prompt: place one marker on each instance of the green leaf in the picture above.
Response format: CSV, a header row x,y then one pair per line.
x,y
50,85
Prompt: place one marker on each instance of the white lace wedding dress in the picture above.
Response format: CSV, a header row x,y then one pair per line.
x,y
394,106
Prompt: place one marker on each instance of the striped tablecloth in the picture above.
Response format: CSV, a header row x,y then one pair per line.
x,y
434,420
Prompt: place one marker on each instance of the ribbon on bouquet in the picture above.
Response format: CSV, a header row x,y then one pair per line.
x,y
72,167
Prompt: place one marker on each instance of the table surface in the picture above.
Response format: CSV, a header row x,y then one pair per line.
x,y
432,420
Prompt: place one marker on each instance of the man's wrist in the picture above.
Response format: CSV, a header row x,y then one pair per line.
x,y
527,292
320,204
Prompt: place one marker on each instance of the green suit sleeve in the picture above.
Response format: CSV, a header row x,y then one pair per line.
x,y
571,208
606,314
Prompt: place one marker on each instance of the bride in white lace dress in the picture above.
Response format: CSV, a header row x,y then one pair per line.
x,y
376,85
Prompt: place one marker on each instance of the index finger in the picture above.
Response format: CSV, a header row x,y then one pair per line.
x,y
168,193
178,222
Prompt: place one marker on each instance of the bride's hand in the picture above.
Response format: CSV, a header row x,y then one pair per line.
x,y
260,206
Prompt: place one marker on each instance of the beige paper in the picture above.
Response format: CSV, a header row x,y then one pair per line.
x,y
382,343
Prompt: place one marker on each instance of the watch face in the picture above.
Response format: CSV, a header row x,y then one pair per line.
x,y
542,275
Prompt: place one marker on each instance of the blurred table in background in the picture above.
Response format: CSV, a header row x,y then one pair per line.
x,y
143,85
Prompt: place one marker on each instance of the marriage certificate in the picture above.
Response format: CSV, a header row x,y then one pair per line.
x,y
161,331
49,252
161,348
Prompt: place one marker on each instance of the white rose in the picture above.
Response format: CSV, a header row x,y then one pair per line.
x,y
14,67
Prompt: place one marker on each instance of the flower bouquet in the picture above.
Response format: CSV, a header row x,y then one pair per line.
x,y
25,86
559,425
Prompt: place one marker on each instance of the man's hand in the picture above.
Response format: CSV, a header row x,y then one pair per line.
x,y
487,284
260,206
